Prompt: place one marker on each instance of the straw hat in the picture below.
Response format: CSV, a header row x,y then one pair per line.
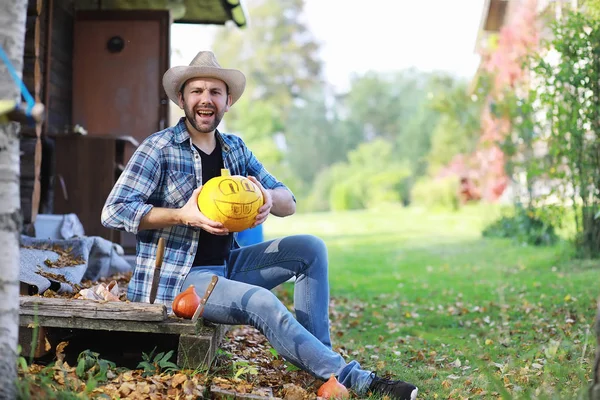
x,y
204,65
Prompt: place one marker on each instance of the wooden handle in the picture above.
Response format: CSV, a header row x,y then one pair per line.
x,y
160,252
209,290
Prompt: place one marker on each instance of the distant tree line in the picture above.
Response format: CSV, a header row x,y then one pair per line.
x,y
337,151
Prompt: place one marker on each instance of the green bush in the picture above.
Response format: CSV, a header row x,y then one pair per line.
x,y
436,193
372,176
523,226
345,196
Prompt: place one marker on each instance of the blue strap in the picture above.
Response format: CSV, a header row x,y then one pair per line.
x,y
30,101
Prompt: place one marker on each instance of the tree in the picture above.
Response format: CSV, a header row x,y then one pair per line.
x,y
12,40
570,98
279,57
393,107
458,127
383,104
317,137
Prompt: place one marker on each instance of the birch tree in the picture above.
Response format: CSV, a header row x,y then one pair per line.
x,y
12,40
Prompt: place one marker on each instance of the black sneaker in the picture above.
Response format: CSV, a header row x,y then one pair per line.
x,y
398,390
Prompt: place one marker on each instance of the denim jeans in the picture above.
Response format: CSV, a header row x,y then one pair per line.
x,y
243,297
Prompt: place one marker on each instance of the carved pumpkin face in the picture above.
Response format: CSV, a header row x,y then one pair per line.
x,y
232,200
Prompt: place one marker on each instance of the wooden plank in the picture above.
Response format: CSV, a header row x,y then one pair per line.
x,y
37,184
32,85
34,7
32,36
32,74
170,325
194,351
31,161
28,146
87,309
31,132
27,341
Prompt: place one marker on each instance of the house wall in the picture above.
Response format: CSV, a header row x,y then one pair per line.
x,y
61,68
47,74
59,101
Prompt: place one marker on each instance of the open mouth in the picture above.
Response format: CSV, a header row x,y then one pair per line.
x,y
205,113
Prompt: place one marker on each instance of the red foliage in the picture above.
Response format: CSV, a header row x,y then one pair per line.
x,y
517,38
482,172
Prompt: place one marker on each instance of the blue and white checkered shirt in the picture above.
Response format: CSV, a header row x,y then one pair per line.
x,y
163,172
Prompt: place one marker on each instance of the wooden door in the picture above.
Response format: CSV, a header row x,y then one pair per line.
x,y
119,58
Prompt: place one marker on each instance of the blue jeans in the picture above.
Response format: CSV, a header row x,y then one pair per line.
x,y
243,297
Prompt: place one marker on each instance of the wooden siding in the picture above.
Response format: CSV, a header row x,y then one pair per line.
x,y
47,74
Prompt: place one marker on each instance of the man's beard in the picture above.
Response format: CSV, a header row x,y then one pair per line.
x,y
190,115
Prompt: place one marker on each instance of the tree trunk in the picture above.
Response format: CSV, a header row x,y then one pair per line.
x,y
12,40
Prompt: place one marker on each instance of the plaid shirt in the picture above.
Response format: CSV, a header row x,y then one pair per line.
x,y
163,172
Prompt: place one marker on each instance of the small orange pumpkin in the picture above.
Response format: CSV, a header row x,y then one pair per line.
x,y
186,303
232,200
332,389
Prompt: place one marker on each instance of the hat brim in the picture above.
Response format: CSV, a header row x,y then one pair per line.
x,y
177,76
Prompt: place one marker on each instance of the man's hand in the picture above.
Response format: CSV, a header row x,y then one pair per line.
x,y
265,209
191,215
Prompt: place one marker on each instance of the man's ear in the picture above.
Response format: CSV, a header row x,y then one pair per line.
x,y
180,98
229,100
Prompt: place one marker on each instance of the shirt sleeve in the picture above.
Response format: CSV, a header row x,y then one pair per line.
x,y
127,204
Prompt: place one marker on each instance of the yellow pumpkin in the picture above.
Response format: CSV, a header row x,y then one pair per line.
x,y
233,200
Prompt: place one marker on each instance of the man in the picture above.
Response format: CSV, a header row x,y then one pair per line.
x,y
156,196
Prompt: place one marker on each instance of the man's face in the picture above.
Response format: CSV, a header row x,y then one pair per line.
x,y
204,101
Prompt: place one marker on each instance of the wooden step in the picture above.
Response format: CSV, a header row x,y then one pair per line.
x,y
196,343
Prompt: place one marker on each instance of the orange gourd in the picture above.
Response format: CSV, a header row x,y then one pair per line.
x,y
332,389
232,200
186,303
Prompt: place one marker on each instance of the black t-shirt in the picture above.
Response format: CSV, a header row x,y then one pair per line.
x,y
212,249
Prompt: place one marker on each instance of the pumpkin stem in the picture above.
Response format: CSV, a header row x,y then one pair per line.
x,y
225,172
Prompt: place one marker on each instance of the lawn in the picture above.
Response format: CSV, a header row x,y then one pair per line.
x,y
421,296
415,294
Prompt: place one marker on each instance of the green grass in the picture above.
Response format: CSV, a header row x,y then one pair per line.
x,y
421,296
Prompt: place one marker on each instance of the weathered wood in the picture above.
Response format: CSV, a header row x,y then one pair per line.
x,y
57,89
28,145
32,73
194,351
218,393
31,131
34,7
76,308
37,185
28,341
168,326
30,184
32,85
26,188
196,343
32,36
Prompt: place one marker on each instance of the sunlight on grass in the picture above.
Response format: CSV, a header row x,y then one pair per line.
x,y
423,297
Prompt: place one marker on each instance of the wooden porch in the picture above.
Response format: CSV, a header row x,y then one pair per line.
x,y
126,327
